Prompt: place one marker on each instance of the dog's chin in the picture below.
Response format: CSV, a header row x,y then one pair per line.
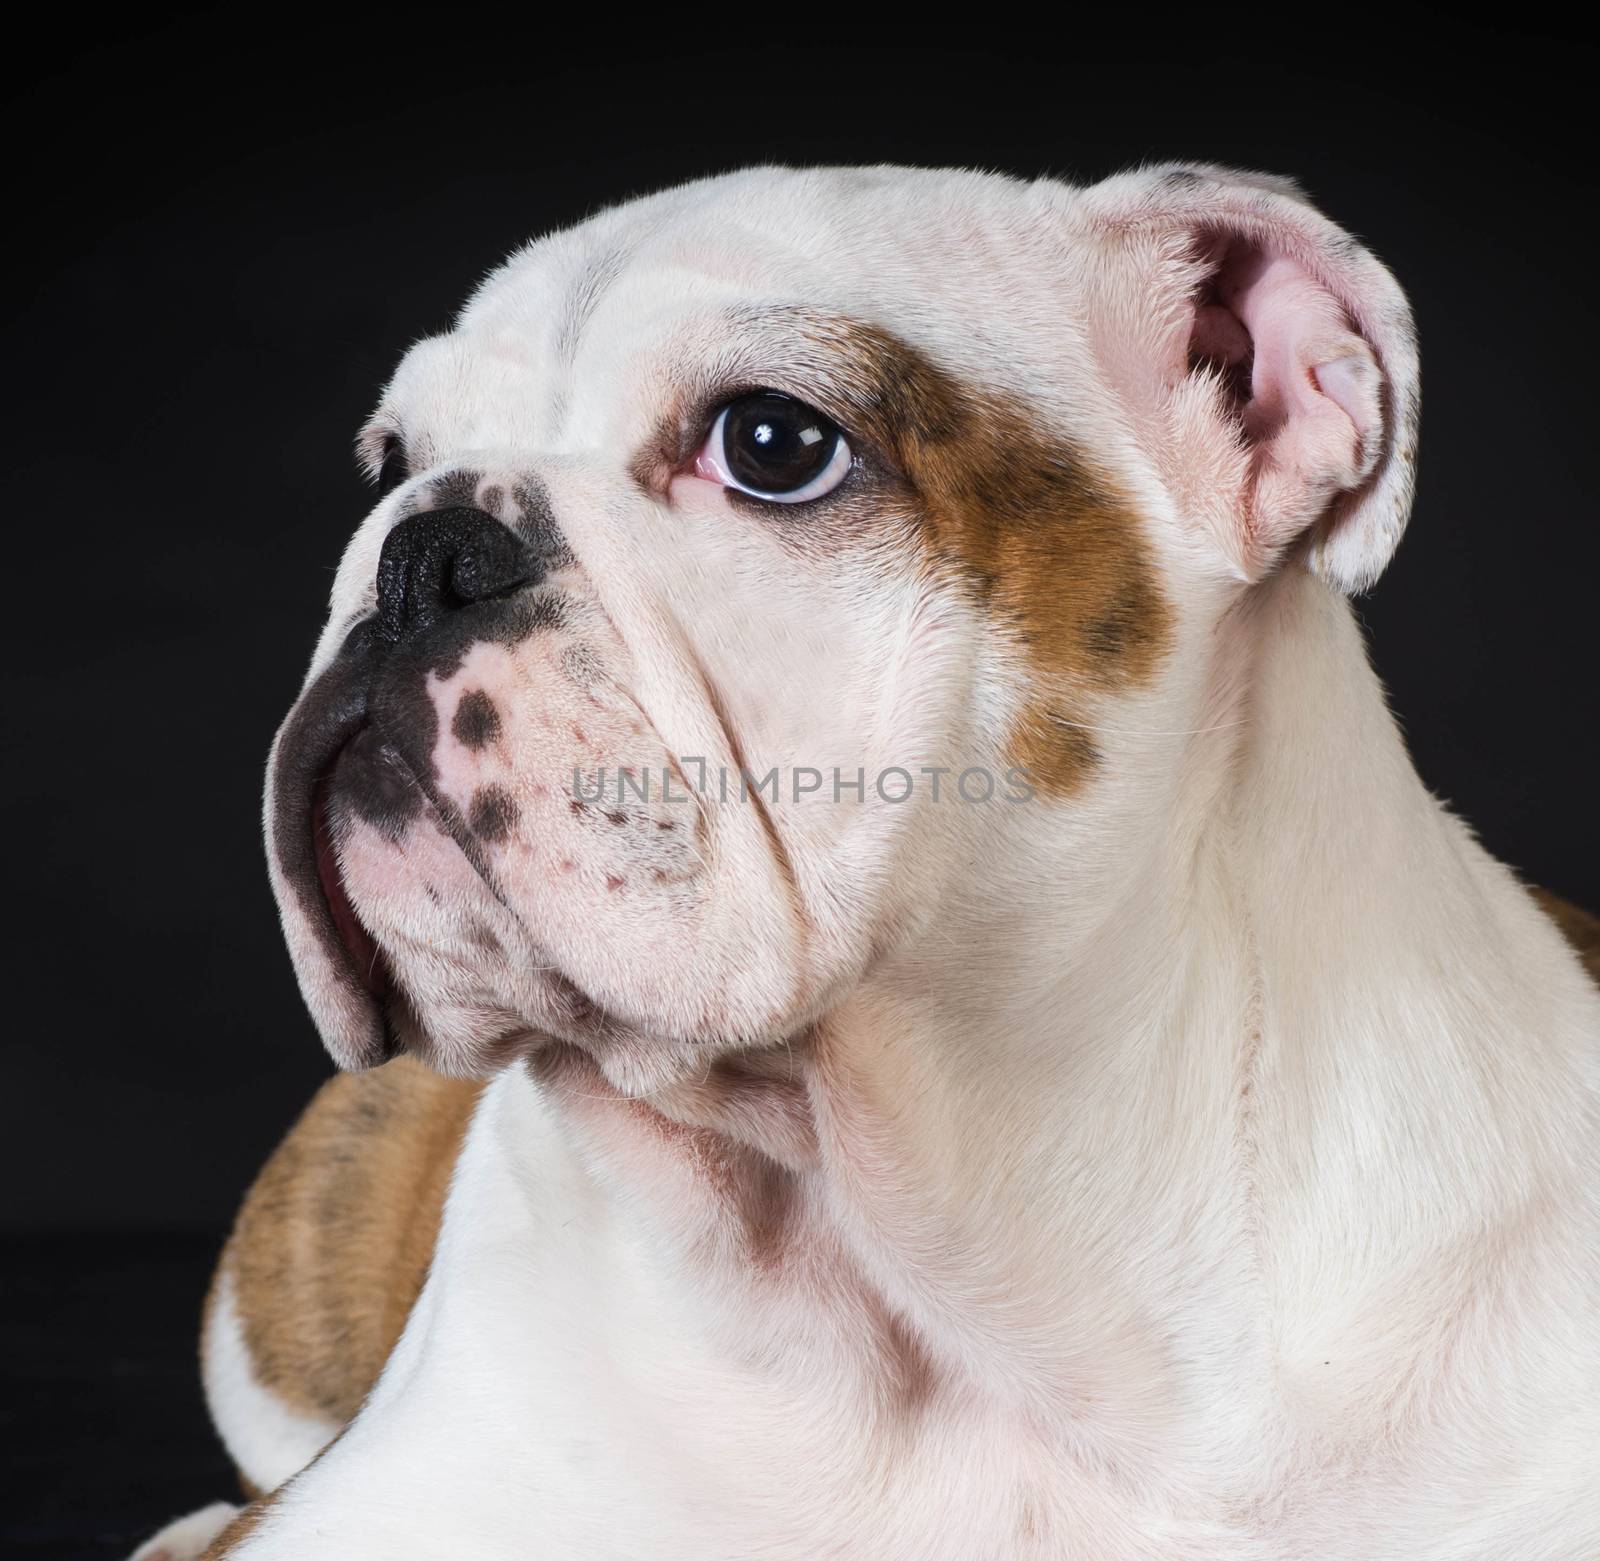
x,y
411,935
471,1008
354,844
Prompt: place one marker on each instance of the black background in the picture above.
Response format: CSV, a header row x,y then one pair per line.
x,y
229,224
232,236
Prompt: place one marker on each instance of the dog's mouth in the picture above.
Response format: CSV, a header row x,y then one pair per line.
x,y
358,835
367,959
350,998
338,781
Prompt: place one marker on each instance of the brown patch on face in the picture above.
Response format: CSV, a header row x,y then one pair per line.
x,y
1051,547
333,1243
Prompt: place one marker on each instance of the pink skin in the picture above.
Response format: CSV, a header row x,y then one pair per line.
x,y
709,469
467,937
611,845
1314,387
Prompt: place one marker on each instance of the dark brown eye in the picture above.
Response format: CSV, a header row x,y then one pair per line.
x,y
774,447
393,467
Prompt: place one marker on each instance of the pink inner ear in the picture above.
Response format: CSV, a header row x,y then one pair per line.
x,y
1304,387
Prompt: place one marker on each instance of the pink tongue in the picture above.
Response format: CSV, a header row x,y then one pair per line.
x,y
370,965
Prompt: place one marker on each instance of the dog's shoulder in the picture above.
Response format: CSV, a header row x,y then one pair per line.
x,y
333,1243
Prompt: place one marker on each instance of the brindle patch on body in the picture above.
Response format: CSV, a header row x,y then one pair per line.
x,y
1055,552
334,1240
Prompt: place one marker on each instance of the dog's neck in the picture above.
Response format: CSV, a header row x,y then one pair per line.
x,y
1071,1136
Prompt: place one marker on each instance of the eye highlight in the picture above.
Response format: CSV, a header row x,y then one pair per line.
x,y
774,447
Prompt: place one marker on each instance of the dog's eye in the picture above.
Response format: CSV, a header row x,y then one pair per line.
x,y
774,447
393,467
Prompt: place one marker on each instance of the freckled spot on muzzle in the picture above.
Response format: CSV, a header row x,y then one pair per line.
x,y
375,782
493,814
477,721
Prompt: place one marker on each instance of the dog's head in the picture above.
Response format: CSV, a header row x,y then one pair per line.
x,y
762,561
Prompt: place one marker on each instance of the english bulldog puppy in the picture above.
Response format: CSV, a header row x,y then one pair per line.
x,y
925,1011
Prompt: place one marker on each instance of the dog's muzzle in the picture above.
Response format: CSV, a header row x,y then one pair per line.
x,y
361,738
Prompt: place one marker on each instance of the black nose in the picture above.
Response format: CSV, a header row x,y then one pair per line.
x,y
442,560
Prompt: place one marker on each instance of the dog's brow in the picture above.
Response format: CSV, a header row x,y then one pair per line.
x,y
845,368
852,370
583,298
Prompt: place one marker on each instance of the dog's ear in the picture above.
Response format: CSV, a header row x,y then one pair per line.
x,y
1268,361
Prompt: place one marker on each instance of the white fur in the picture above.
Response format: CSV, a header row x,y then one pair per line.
x,y
186,1539
1204,1165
